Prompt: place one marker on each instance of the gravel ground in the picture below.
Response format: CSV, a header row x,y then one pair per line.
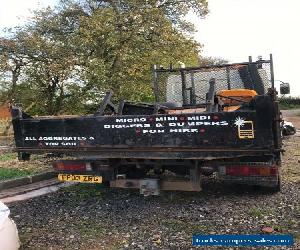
x,y
89,217
84,218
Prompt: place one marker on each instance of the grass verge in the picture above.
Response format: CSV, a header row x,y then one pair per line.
x,y
11,167
11,173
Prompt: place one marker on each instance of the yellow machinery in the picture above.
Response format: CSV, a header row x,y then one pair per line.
x,y
232,98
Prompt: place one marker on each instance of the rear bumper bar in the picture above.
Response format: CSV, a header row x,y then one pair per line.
x,y
270,181
152,153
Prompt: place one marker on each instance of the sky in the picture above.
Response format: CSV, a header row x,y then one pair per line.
x,y
16,12
233,30
236,29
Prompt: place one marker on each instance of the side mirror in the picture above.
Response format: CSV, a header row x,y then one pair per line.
x,y
284,88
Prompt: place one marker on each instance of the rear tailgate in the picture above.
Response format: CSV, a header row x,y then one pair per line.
x,y
182,136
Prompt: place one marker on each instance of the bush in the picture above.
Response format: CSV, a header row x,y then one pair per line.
x,y
289,102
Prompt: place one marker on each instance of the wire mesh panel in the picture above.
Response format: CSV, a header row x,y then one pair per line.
x,y
187,86
266,75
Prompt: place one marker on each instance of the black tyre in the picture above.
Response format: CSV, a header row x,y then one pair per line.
x,y
276,188
22,156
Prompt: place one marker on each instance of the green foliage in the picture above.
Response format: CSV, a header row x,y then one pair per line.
x,y
8,156
207,61
289,102
68,57
10,173
260,213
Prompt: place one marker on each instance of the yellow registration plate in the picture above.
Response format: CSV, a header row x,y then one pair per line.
x,y
80,178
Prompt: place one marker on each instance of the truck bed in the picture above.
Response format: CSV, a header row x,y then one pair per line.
x,y
244,132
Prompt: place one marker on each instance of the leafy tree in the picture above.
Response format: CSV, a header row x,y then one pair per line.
x,y
80,49
207,61
125,37
12,62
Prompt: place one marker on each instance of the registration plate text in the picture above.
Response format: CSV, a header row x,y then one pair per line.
x,y
80,178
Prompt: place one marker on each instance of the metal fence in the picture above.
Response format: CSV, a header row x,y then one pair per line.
x,y
189,86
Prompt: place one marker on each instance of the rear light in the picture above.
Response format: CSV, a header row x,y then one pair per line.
x,y
252,170
274,171
72,166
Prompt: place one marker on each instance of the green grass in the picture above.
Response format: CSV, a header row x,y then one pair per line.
x,y
11,173
289,102
288,106
4,157
89,229
8,156
11,168
261,212
84,191
189,227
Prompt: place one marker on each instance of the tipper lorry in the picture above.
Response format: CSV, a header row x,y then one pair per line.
x,y
221,119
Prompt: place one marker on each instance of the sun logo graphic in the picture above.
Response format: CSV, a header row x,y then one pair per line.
x,y
245,128
239,122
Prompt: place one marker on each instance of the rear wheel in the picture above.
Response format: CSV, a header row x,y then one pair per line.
x,y
274,189
269,189
22,156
